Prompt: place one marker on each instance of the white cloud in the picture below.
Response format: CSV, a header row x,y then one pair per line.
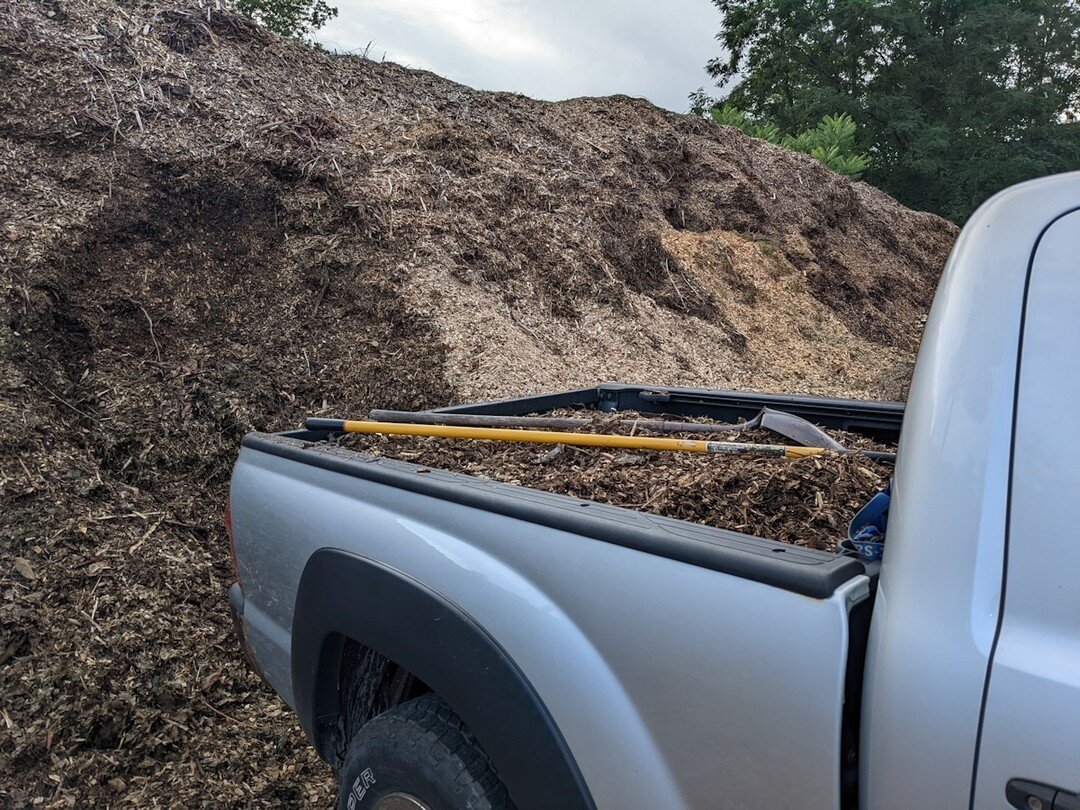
x,y
551,50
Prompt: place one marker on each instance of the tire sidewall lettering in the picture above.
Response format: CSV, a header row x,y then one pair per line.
x,y
359,788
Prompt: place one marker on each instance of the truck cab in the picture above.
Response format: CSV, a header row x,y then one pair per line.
x,y
972,676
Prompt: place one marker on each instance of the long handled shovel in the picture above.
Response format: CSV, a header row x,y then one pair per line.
x,y
788,425
577,439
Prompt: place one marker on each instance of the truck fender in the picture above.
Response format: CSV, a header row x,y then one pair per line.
x,y
347,596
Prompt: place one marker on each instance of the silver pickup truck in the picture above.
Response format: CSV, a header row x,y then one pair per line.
x,y
449,641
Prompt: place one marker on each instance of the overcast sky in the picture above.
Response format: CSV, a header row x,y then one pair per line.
x,y
548,49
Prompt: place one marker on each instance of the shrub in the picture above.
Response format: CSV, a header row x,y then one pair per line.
x,y
832,141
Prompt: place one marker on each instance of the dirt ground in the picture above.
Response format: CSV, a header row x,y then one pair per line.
x,y
207,230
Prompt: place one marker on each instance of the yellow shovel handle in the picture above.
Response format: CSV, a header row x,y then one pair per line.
x,y
558,437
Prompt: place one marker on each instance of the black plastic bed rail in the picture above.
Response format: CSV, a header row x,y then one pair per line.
x,y
880,420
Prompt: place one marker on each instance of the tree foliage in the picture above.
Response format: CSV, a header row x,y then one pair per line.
x,y
954,99
832,141
291,18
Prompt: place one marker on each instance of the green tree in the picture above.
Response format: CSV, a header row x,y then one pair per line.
x,y
954,99
291,18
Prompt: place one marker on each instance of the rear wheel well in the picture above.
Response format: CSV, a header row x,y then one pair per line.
x,y
344,596
368,684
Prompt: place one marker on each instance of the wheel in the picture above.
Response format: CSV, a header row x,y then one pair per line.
x,y
419,756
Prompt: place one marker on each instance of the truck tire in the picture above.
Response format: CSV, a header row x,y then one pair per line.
x,y
419,756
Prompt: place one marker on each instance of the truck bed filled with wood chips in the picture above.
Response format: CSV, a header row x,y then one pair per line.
x,y
804,501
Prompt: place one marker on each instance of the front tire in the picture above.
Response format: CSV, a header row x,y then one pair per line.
x,y
419,756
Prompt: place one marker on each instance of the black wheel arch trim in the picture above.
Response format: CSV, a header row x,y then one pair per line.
x,y
344,595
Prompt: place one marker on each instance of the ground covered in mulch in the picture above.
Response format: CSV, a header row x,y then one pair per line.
x,y
207,230
806,502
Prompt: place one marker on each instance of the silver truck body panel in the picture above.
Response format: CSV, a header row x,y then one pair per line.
x,y
937,609
1031,726
673,685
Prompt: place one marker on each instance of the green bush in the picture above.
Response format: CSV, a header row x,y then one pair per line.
x,y
832,141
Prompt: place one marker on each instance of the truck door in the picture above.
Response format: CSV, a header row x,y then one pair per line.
x,y
1030,726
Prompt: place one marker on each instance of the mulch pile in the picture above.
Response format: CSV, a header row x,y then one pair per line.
x,y
805,502
206,230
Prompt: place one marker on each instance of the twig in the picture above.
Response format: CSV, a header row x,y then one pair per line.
x,y
322,294
218,711
63,401
112,97
153,337
157,348
144,538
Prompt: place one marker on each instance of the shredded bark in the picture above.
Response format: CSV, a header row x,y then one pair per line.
x,y
805,502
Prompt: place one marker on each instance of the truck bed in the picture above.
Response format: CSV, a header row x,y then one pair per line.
x,y
803,570
804,502
646,640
